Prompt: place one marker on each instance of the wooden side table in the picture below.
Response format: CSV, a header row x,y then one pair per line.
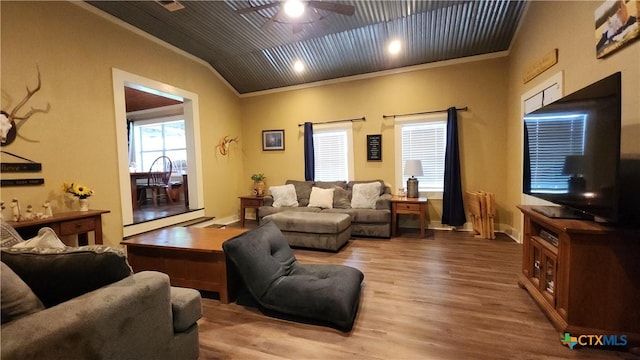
x,y
66,223
411,206
249,202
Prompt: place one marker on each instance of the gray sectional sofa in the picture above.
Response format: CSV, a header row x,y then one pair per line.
x,y
365,222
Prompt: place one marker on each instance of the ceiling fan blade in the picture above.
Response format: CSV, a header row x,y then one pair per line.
x,y
333,7
297,27
272,19
256,8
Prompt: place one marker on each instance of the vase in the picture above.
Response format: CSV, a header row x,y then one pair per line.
x,y
259,187
84,204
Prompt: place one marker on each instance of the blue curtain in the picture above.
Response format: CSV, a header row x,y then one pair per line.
x,y
452,205
309,159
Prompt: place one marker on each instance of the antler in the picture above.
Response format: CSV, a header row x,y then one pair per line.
x,y
30,93
223,144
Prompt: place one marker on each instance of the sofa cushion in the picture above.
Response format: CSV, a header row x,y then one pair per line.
x,y
364,215
265,211
57,275
341,198
322,198
323,223
9,235
186,308
303,190
17,299
330,184
364,196
284,196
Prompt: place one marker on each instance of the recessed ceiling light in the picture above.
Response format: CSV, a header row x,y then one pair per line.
x,y
294,8
298,66
394,47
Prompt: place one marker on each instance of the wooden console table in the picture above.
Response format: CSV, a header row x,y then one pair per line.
x,y
66,223
249,202
411,206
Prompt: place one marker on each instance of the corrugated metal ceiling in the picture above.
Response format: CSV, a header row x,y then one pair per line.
x,y
253,53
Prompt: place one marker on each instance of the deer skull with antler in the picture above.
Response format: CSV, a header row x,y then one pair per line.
x,y
8,126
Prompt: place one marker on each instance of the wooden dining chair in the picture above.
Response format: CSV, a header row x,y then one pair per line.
x,y
158,181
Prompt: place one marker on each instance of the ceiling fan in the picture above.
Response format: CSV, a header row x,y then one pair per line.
x,y
290,11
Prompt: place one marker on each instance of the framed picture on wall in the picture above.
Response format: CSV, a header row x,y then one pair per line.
x,y
272,140
616,25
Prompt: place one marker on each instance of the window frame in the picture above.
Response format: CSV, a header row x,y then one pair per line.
x,y
347,127
136,124
399,123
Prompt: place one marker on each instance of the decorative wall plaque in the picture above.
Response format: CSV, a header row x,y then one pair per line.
x,y
374,147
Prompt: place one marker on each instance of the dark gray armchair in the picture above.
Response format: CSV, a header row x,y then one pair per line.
x,y
321,294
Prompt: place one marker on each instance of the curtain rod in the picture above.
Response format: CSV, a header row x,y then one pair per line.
x,y
338,121
423,113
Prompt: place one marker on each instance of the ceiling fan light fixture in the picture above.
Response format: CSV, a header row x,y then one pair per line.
x,y
298,66
394,47
294,8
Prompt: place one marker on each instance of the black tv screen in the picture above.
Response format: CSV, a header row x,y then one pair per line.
x,y
572,153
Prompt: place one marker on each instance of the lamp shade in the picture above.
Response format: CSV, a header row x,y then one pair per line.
x,y
413,168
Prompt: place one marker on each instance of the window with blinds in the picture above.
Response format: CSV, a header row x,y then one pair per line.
x,y
330,148
425,141
552,140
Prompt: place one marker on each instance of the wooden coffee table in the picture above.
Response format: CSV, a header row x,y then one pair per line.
x,y
192,257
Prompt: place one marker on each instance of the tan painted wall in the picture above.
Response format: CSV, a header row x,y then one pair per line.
x,y
479,85
75,51
569,27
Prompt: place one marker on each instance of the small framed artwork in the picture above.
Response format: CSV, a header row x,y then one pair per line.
x,y
616,25
374,147
272,140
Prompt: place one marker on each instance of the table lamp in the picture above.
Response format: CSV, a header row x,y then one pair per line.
x,y
574,166
412,168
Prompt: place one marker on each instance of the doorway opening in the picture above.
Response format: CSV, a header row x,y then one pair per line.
x,y
167,128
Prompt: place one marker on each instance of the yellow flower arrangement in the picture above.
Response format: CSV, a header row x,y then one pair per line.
x,y
77,190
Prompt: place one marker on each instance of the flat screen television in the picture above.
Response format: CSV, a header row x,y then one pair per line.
x,y
572,153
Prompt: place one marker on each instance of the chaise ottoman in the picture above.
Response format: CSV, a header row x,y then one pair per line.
x,y
327,231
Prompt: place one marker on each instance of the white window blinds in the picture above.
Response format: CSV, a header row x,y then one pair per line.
x,y
425,141
331,157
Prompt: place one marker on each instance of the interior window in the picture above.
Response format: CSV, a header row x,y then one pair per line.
x,y
154,138
331,145
423,138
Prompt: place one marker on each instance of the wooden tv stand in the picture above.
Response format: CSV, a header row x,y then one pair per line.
x,y
589,283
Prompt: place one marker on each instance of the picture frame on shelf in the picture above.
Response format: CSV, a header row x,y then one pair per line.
x,y
272,140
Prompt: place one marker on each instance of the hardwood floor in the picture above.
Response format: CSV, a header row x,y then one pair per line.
x,y
148,212
448,296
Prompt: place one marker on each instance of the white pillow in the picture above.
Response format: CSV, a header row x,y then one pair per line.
x,y
284,195
322,198
46,238
365,195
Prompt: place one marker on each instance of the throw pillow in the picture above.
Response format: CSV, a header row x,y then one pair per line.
x,y
365,195
284,195
17,300
10,236
322,198
341,198
57,275
303,190
46,238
